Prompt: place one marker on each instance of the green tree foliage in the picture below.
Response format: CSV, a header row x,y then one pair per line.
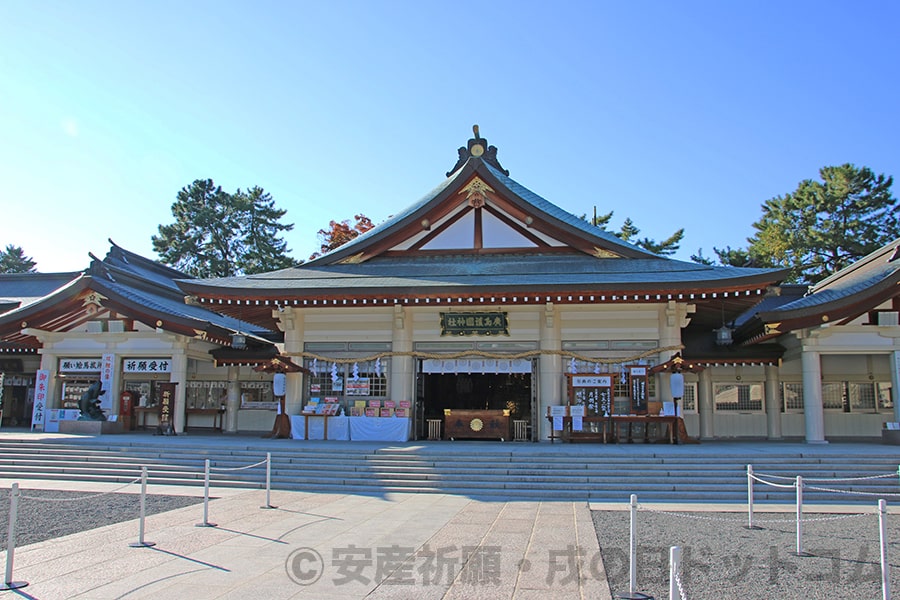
x,y
628,233
823,226
729,257
13,260
217,234
265,250
339,233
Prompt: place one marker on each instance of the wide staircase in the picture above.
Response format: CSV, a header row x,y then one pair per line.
x,y
484,471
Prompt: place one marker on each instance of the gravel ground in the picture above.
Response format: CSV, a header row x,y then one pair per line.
x,y
723,559
48,514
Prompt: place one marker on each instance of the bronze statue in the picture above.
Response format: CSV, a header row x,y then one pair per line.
x,y
90,403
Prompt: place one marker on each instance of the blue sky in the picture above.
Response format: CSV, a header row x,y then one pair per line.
x,y
676,114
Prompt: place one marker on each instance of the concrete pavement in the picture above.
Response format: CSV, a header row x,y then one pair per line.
x,y
324,546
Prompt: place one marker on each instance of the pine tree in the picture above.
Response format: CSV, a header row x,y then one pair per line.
x,y
13,260
823,226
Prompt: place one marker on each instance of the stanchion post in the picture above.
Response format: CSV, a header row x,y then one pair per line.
x,y
8,583
885,565
206,522
674,572
268,481
750,497
799,486
632,558
141,543
632,548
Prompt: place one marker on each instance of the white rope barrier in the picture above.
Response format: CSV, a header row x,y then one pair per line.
x,y
676,586
769,483
260,463
209,468
79,498
820,479
853,492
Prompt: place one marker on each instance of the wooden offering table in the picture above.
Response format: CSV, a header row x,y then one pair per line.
x,y
217,415
619,428
478,424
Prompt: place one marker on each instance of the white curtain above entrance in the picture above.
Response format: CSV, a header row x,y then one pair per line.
x,y
476,365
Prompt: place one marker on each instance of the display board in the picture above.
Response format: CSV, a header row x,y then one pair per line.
x,y
594,392
638,379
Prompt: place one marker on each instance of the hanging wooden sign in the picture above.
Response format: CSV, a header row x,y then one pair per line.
x,y
474,323
166,409
638,378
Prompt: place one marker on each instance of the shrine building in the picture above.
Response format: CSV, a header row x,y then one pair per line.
x,y
481,311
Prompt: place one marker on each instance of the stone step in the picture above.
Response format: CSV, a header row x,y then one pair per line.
x,y
530,473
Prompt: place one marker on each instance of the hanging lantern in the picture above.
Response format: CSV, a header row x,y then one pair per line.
x,y
278,384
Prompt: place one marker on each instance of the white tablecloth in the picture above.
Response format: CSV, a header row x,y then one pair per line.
x,y
378,429
338,427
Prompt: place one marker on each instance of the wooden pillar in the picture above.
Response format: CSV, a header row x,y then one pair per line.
x,y
233,399
705,405
773,403
813,410
550,368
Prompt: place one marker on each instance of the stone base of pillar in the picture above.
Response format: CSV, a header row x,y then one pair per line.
x,y
816,441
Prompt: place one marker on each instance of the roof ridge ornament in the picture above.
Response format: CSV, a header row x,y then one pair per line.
x,y
477,147
476,191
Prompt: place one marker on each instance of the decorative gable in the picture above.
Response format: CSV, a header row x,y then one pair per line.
x,y
478,209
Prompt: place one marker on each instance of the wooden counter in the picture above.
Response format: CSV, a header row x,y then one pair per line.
x,y
619,428
476,424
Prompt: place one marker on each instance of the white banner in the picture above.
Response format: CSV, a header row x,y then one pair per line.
x,y
80,365
107,381
39,411
147,365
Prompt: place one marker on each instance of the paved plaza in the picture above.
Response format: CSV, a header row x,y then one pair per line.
x,y
333,545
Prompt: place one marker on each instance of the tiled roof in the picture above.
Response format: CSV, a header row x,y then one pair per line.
x,y
558,213
857,280
21,289
456,272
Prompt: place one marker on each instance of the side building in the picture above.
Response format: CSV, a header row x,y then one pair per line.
x,y
123,321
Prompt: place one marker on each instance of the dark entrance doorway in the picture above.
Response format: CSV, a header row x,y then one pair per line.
x,y
478,391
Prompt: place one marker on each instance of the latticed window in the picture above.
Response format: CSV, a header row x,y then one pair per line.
x,y
689,401
791,397
851,396
834,396
744,397
862,397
